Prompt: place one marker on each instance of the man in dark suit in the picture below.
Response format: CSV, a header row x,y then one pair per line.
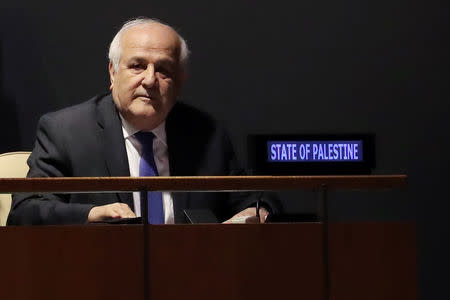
x,y
98,137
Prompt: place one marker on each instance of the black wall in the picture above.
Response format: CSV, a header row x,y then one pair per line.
x,y
269,67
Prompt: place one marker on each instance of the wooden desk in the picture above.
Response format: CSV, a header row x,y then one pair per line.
x,y
267,261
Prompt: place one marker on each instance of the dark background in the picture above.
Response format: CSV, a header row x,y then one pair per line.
x,y
265,66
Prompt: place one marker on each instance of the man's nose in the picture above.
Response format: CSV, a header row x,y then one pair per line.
x,y
149,77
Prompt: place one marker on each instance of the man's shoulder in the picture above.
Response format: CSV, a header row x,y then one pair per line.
x,y
82,117
84,110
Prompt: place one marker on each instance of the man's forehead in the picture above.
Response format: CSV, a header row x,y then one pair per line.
x,y
153,37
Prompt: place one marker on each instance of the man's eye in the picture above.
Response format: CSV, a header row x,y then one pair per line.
x,y
137,67
165,72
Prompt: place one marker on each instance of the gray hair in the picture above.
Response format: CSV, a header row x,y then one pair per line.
x,y
115,49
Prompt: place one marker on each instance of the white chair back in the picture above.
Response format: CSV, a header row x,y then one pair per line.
x,y
12,165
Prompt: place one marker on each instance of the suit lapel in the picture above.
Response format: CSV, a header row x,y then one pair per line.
x,y
114,150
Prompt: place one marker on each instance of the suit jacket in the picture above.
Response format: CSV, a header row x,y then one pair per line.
x,y
86,140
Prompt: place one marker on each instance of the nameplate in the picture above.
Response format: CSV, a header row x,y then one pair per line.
x,y
282,154
315,151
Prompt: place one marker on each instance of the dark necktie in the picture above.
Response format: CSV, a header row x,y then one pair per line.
x,y
147,167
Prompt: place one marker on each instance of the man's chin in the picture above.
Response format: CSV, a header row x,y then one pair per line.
x,y
146,119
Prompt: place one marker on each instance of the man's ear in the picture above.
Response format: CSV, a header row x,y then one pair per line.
x,y
111,74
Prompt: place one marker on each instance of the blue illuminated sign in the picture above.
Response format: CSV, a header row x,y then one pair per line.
x,y
315,151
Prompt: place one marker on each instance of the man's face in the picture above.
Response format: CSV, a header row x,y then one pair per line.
x,y
147,82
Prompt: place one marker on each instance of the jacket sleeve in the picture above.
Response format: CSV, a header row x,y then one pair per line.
x,y
48,159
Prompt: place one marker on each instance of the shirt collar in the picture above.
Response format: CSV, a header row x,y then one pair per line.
x,y
159,132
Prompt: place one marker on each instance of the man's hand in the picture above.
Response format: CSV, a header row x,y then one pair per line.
x,y
248,216
115,210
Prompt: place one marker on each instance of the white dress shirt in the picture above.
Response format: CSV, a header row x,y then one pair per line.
x,y
160,153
